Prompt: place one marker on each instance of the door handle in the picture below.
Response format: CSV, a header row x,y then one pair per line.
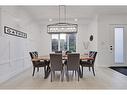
x,y
111,47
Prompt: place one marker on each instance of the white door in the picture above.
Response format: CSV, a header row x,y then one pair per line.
x,y
117,44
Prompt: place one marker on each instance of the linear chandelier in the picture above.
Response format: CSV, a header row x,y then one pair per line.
x,y
62,27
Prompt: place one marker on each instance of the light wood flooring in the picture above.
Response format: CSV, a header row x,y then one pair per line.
x,y
105,79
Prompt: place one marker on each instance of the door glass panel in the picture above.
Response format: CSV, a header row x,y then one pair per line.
x,y
119,45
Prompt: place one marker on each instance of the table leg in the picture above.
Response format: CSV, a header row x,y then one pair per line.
x,y
80,73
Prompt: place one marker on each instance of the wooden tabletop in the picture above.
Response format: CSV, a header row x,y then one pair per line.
x,y
47,57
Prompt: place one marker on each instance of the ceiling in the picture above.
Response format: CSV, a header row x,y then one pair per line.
x,y
72,12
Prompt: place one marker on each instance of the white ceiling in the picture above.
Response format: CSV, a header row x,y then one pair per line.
x,y
80,12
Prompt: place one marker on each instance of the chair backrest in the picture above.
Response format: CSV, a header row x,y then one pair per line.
x,y
58,51
93,56
91,53
35,53
31,55
73,60
56,61
67,52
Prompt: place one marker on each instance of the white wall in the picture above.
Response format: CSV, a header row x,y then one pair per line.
x,y
93,30
14,51
46,48
104,22
0,23
82,36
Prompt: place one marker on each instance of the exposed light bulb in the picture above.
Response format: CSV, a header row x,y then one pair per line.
x,y
75,19
50,19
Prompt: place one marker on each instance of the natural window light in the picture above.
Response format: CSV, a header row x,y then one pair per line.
x,y
64,42
119,45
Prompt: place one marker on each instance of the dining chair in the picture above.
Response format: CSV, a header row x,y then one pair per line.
x,y
65,61
89,63
67,52
38,64
73,63
35,53
56,64
91,53
58,51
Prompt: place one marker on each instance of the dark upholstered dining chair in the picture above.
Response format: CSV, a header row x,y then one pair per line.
x,y
38,64
56,64
91,53
58,51
65,61
73,63
67,52
89,63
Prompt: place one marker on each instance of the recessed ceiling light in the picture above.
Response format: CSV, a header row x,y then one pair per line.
x,y
50,19
76,19
16,19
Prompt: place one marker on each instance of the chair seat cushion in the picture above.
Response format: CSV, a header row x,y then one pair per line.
x,y
86,63
39,64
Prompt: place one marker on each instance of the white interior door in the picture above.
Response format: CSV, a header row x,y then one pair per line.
x,y
117,44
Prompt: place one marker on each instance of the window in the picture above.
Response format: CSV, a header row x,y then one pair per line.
x,y
72,42
64,42
55,42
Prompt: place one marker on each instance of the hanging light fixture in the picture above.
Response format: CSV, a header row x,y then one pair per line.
x,y
62,27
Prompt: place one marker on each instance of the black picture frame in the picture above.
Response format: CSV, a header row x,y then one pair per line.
x,y
14,32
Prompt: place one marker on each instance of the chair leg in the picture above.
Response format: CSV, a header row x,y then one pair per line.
x,y
37,69
78,74
82,71
33,71
51,76
72,73
67,75
45,73
48,68
89,69
75,73
62,75
93,70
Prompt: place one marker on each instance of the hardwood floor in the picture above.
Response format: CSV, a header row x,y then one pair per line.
x,y
105,78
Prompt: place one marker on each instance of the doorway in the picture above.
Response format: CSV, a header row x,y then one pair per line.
x,y
118,38
117,44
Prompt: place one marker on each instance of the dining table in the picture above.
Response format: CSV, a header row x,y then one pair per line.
x,y
64,57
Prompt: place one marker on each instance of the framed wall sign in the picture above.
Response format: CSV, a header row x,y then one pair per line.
x,y
11,31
